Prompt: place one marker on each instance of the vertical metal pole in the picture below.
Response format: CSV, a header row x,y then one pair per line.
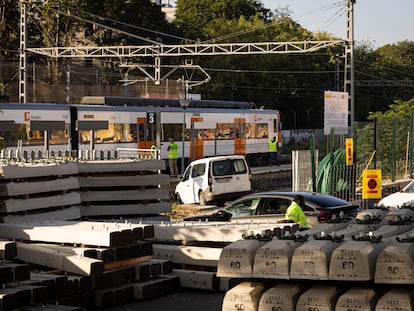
x,y
375,143
67,83
349,72
411,144
393,151
183,143
331,160
313,164
22,54
34,82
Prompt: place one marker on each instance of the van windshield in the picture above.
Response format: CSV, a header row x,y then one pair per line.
x,y
229,167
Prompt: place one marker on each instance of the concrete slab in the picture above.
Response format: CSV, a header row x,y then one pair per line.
x,y
37,203
24,188
62,261
124,165
125,195
36,170
66,213
123,180
188,255
118,209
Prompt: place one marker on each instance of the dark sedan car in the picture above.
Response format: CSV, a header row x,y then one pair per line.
x,y
272,205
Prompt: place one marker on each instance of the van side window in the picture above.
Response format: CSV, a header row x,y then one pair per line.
x,y
239,166
198,170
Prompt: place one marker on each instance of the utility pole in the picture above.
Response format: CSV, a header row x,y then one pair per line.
x,y
22,55
349,74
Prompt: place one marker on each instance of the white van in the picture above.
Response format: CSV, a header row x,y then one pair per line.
x,y
215,179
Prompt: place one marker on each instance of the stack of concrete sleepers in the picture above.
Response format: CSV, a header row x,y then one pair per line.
x,y
362,266
195,248
89,264
31,192
123,188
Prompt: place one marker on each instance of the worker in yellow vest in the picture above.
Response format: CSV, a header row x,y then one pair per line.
x,y
273,150
172,158
295,213
154,150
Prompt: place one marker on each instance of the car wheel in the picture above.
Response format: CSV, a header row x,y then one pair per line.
x,y
202,198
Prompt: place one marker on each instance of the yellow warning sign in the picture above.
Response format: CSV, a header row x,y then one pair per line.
x,y
371,184
349,145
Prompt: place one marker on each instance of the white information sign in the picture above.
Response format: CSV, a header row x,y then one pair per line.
x,y
336,112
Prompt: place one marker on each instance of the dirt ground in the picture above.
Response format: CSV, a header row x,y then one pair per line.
x,y
185,210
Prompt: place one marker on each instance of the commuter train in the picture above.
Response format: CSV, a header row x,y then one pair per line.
x,y
201,128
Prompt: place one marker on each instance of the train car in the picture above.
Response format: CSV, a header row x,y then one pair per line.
x,y
34,127
205,128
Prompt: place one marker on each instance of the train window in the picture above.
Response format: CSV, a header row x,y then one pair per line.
x,y
225,130
59,137
258,130
174,131
209,134
114,133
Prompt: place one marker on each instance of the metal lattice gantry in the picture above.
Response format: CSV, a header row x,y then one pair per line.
x,y
186,50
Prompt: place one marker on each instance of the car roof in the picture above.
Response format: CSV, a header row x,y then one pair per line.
x,y
323,200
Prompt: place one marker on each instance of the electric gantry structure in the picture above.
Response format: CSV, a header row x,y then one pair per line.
x,y
158,51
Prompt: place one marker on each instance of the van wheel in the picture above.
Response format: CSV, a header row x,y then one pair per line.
x,y
178,199
202,198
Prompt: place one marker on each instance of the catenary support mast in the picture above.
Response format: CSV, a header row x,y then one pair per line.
x,y
349,77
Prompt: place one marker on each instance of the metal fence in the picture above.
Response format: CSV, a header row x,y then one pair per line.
x,y
384,144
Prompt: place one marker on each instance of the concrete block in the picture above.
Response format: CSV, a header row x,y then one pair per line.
x,y
358,299
152,288
8,249
354,261
281,297
401,299
273,260
311,260
245,296
197,279
318,297
237,258
395,264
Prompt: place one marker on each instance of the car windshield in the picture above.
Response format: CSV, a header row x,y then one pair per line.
x,y
409,187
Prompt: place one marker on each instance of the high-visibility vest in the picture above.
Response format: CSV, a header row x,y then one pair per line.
x,y
154,151
295,213
173,151
273,146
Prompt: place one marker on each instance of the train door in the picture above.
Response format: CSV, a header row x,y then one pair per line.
x,y
240,137
196,140
149,130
